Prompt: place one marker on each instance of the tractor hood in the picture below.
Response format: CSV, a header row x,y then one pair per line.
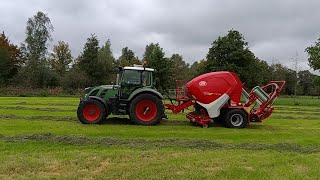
x,y
92,91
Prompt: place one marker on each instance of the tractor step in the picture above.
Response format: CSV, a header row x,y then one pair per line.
x,y
122,111
123,105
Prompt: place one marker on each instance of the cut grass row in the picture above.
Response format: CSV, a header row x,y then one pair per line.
x,y
270,132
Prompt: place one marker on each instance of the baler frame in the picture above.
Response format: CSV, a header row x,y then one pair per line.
x,y
253,115
265,108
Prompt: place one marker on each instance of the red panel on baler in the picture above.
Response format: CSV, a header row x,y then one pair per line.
x,y
209,87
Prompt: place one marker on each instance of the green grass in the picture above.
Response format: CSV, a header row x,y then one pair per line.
x,y
299,100
41,138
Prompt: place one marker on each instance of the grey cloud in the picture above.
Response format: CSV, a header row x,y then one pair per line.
x,y
274,29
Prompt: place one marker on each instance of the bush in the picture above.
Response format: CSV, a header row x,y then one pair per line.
x,y
74,79
40,92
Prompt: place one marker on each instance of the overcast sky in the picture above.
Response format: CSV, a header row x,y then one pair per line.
x,y
275,29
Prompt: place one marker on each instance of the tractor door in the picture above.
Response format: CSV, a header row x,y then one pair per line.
x,y
130,81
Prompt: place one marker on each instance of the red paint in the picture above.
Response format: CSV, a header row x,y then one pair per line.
x,y
91,112
201,118
209,87
146,110
180,107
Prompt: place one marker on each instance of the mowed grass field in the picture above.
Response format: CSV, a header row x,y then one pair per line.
x,y
41,138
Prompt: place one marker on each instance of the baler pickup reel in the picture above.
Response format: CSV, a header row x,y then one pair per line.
x,y
259,103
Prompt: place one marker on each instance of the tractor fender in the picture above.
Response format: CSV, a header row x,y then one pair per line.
x,y
99,99
144,90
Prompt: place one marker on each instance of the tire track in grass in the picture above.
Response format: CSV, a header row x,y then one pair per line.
x,y
297,109
111,120
56,118
295,117
50,104
127,121
157,143
36,109
298,112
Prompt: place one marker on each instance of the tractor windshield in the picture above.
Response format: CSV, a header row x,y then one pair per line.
x,y
134,77
131,77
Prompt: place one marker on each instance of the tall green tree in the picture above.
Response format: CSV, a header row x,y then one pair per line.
x,y
61,58
155,57
305,82
106,62
231,53
280,72
10,59
127,58
316,85
180,69
198,68
38,33
314,55
258,73
89,60
4,63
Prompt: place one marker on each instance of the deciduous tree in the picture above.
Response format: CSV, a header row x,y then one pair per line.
x,y
61,58
10,59
180,68
127,58
231,53
38,33
314,55
155,57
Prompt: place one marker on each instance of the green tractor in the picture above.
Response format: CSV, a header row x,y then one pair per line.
x,y
134,94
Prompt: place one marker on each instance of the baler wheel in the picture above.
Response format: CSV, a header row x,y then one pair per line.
x,y
146,109
236,118
91,111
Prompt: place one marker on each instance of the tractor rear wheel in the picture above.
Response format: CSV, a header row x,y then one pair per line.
x,y
236,118
91,111
146,109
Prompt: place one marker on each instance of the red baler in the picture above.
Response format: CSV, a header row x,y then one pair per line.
x,y
217,95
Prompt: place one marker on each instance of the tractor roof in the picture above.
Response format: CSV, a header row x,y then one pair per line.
x,y
139,68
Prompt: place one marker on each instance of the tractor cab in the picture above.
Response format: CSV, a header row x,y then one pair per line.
x,y
133,78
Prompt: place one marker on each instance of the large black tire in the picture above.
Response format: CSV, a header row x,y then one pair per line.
x,y
236,118
91,111
146,109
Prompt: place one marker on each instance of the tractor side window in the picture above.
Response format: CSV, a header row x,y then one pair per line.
x,y
131,77
146,78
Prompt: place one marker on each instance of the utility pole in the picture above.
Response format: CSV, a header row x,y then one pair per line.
x,y
295,61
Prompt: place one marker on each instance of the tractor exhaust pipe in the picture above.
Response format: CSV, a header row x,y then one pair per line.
x,y
117,81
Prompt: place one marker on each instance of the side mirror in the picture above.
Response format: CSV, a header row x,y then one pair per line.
x,y
120,69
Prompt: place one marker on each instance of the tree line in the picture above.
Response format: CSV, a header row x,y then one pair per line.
x,y
31,65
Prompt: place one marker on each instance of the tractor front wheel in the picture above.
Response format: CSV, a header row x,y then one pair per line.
x,y
236,118
146,109
91,111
